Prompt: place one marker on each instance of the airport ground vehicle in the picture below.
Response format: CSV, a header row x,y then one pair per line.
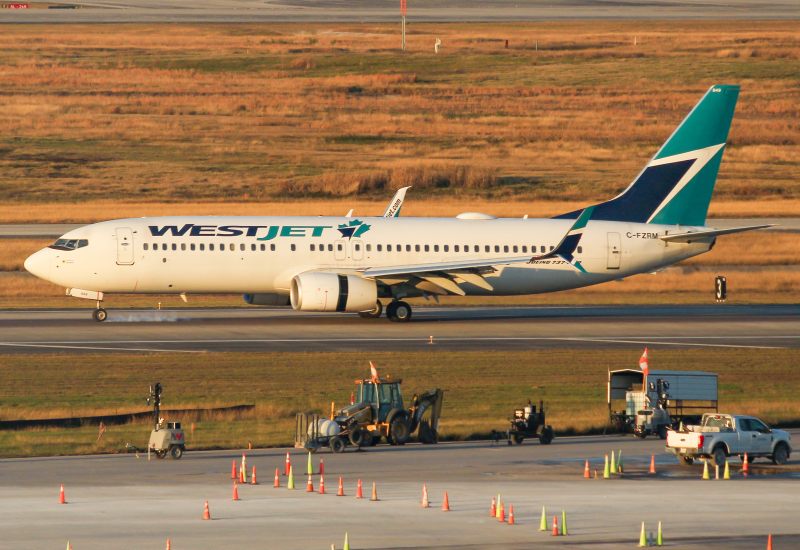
x,y
164,441
377,412
528,424
722,435
660,400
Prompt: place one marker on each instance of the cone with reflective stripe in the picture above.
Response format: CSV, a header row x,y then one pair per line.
x,y
543,523
586,473
253,477
744,464
642,537
497,510
652,464
374,492
310,488
446,503
358,490
502,516
613,463
288,465
244,466
555,526
241,475
61,498
206,513
322,485
425,503
660,539
235,492
69,546
277,479
341,489
511,515
619,462
167,544
727,473
606,471
493,513
233,470
346,543
290,485
705,470
310,466
321,467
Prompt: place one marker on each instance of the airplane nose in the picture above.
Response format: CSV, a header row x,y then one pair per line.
x,y
38,264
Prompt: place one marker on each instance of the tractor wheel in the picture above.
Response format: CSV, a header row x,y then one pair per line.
x,y
398,432
160,454
337,445
546,437
176,452
518,439
358,438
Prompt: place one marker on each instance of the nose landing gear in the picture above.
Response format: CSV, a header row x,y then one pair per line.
x,y
399,312
100,314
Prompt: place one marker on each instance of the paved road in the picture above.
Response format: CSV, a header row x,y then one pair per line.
x,y
121,501
463,328
356,11
55,230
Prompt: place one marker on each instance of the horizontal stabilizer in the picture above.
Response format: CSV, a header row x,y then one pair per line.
x,y
696,235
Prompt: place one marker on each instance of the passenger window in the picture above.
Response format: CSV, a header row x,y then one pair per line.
x,y
164,246
388,248
330,248
183,246
222,247
294,248
241,247
312,248
272,247
524,249
191,246
436,248
210,247
455,248
145,246
515,249
399,247
83,242
580,249
203,247
543,250
263,247
339,247
408,248
505,248
416,248
551,248
380,247
447,248
496,248
488,248
232,247
427,248
174,246
357,247
369,248
253,247
155,246
466,248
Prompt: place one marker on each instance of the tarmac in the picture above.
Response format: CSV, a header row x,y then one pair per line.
x,y
122,501
456,328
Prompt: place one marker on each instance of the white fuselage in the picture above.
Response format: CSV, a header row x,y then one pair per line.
x,y
229,254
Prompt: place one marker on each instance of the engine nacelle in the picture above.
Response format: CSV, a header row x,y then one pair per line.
x,y
266,299
332,292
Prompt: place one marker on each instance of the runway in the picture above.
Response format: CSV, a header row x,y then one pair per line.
x,y
456,328
115,498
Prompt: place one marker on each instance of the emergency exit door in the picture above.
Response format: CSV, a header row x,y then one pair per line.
x,y
614,251
124,246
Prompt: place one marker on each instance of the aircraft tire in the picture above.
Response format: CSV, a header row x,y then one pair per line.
x,y
373,313
401,312
100,315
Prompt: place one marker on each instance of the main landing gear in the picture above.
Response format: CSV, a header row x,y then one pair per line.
x,y
399,312
100,314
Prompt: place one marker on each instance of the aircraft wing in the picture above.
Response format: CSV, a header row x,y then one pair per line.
x,y
693,236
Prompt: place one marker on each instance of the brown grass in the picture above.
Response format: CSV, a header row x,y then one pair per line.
x,y
257,113
14,251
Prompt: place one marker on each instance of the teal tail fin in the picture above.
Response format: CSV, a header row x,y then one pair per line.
x,y
675,187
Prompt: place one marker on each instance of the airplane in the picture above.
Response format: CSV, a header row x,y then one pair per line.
x,y
350,264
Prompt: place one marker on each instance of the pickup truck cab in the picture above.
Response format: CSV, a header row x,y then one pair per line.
x,y
722,435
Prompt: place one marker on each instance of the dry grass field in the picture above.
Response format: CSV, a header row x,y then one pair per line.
x,y
95,117
482,390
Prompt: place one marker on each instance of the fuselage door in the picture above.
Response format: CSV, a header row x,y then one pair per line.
x,y
339,250
124,246
358,250
614,251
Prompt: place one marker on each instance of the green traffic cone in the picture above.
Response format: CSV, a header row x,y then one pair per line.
x,y
69,546
497,509
310,467
660,539
346,543
291,479
613,464
705,470
543,524
619,462
606,473
727,474
680,428
642,538
564,523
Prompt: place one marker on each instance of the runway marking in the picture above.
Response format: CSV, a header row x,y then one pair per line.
x,y
64,346
644,341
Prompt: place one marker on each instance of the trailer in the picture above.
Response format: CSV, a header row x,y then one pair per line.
x,y
661,400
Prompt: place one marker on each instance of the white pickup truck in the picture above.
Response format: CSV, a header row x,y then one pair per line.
x,y
722,435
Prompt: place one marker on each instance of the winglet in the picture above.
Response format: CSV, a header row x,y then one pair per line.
x,y
393,210
566,248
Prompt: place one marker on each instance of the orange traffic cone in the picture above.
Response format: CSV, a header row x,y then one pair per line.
x,y
321,467
502,516
253,480
206,514
374,492
241,475
769,542
511,515
653,464
446,503
310,488
744,465
341,489
233,470
425,503
586,471
494,510
288,465
322,485
61,499
167,544
277,479
235,492
358,490
555,526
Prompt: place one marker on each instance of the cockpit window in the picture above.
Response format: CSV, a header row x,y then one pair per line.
x,y
69,244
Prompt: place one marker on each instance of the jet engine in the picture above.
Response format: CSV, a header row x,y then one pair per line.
x,y
333,292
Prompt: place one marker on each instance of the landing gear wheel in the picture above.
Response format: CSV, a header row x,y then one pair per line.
x,y
373,313
398,431
399,312
100,315
337,445
176,452
687,460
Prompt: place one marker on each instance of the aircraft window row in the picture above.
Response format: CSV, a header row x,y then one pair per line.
x,y
70,244
202,246
457,248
